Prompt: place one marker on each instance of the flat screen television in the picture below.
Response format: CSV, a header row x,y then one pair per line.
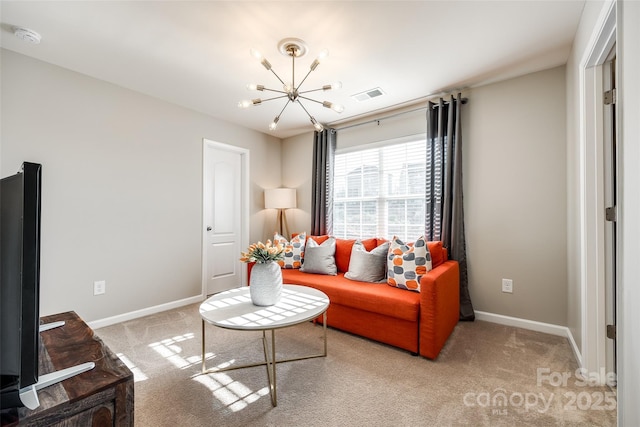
x,y
20,196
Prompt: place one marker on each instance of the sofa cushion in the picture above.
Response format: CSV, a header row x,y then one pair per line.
x,y
319,259
343,251
437,252
293,250
368,266
374,297
407,263
319,239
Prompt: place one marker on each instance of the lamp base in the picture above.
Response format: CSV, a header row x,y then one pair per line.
x,y
282,221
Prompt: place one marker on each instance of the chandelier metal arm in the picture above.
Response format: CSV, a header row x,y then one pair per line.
x,y
282,111
311,90
309,99
335,107
315,123
277,76
276,97
305,78
293,70
305,110
275,90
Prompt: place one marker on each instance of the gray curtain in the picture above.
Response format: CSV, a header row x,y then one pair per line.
x,y
444,211
324,149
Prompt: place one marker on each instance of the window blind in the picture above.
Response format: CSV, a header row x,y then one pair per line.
x,y
379,191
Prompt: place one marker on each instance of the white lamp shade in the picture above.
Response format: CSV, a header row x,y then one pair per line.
x,y
280,198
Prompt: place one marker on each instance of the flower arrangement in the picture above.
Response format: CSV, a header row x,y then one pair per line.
x,y
263,252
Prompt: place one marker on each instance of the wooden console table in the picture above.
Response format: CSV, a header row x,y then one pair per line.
x,y
100,397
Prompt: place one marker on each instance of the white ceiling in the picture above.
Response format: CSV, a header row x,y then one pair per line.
x,y
196,53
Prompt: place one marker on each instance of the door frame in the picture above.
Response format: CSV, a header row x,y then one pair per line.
x,y
592,215
207,146
611,180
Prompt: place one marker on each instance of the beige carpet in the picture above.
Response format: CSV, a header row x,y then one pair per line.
x,y
487,374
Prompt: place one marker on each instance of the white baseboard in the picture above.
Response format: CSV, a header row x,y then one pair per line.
x,y
574,347
101,323
532,325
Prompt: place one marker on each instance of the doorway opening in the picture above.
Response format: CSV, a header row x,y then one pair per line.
x,y
599,248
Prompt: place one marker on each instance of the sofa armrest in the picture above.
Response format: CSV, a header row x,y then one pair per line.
x,y
439,307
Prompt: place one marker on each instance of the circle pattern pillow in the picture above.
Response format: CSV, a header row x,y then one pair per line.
x,y
293,250
406,264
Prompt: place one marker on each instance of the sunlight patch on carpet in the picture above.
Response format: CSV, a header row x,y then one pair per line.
x,y
170,350
233,394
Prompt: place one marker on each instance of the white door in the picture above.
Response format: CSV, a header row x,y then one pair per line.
x,y
224,216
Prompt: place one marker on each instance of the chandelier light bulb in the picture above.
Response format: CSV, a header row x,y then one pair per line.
x,y
266,64
323,54
253,86
246,103
338,108
256,54
317,125
274,123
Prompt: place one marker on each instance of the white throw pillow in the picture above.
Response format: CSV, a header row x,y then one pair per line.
x,y
320,259
366,266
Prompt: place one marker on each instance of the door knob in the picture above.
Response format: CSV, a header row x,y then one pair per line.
x,y
208,228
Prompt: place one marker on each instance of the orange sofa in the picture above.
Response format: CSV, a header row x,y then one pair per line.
x,y
417,322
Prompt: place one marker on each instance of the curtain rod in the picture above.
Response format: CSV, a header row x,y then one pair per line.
x,y
464,101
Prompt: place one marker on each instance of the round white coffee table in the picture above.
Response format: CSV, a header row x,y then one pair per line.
x,y
233,309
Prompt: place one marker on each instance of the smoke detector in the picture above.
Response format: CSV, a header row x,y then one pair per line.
x,y
27,35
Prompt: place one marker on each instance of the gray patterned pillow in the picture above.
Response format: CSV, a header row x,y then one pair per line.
x,y
368,266
320,259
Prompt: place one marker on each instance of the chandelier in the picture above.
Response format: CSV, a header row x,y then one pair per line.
x,y
294,48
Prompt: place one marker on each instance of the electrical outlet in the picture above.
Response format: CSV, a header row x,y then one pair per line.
x,y
507,285
99,287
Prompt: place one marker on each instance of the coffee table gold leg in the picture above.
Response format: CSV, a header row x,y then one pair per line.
x,y
270,363
324,328
273,366
204,368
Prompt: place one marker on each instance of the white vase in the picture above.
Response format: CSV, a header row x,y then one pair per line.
x,y
265,285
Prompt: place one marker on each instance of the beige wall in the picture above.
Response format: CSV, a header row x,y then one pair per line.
x,y
297,161
122,186
515,190
515,196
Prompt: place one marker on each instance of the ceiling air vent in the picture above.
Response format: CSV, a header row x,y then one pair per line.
x,y
367,95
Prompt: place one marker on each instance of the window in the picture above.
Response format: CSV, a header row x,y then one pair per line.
x,y
380,190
